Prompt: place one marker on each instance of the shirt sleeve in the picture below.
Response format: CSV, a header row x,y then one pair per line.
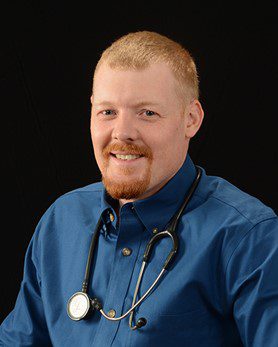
x,y
252,285
26,324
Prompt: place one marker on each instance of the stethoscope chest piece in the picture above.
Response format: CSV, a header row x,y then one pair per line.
x,y
78,306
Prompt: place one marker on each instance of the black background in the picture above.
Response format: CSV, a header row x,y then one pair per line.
x,y
48,53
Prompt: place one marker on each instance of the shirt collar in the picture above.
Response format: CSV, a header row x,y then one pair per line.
x,y
157,210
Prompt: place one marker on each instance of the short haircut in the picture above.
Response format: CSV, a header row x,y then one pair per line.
x,y
140,49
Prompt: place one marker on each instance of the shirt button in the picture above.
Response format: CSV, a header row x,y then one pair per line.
x,y
111,216
111,313
126,251
155,230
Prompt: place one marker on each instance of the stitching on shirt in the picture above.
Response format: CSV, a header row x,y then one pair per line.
x,y
265,215
76,192
81,191
241,240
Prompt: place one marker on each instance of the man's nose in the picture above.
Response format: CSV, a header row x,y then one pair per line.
x,y
125,127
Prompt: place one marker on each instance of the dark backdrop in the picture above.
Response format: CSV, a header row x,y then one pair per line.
x,y
48,53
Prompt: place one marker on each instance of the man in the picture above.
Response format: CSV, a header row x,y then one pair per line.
x,y
221,289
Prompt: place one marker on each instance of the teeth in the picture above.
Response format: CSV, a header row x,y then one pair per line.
x,y
127,157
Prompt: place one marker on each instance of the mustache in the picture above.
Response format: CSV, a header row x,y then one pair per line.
x,y
127,148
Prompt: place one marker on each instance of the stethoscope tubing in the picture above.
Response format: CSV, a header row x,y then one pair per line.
x,y
134,305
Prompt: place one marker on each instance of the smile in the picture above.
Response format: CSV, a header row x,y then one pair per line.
x,y
126,156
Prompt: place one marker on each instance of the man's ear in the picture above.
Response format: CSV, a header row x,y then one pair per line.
x,y
194,118
92,101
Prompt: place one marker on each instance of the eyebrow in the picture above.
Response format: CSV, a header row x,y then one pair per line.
x,y
136,105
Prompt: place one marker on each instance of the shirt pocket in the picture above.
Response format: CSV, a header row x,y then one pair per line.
x,y
187,320
188,329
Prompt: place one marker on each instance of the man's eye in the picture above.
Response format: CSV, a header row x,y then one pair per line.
x,y
149,113
108,112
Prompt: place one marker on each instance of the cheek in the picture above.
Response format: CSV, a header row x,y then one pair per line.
x,y
170,147
99,136
168,139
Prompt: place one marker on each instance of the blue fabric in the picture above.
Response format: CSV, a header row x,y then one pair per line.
x,y
222,289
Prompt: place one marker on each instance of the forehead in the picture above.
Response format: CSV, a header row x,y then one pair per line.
x,y
155,83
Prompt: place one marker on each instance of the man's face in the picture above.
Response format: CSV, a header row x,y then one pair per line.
x,y
137,129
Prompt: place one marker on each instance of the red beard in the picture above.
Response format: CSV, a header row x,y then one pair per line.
x,y
127,189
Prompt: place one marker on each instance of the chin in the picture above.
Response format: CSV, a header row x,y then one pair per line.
x,y
131,189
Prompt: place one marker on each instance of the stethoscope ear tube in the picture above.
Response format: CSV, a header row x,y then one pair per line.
x,y
174,221
169,259
172,227
156,238
90,255
79,304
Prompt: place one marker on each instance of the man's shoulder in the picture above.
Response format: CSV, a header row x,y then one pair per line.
x,y
90,188
89,195
77,204
93,188
224,196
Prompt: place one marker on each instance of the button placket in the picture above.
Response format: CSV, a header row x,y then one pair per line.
x,y
129,234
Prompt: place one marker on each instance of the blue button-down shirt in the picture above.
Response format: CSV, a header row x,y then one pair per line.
x,y
221,290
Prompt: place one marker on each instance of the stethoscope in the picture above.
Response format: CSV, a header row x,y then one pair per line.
x,y
80,304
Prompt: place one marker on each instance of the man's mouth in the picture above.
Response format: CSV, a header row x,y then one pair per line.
x,y
126,156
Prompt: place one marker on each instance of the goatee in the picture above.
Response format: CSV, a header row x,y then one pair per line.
x,y
126,188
